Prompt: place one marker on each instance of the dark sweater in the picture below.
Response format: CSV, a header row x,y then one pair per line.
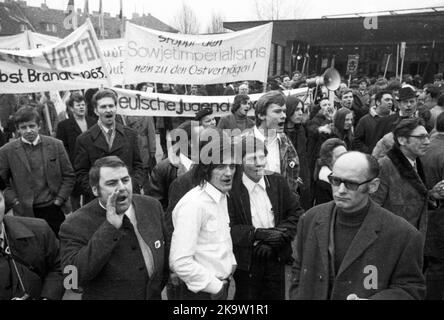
x,y
347,225
234,121
42,193
365,139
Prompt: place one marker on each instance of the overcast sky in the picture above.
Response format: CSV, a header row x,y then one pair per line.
x,y
241,10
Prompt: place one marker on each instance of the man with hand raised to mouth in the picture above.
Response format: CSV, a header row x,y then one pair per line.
x,y
117,241
282,157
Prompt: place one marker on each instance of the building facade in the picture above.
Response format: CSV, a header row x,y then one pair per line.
x,y
17,16
317,44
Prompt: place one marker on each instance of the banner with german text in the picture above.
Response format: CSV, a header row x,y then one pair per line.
x,y
38,40
138,103
113,53
15,42
75,62
163,57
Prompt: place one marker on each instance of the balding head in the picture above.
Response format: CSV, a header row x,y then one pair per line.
x,y
354,177
359,164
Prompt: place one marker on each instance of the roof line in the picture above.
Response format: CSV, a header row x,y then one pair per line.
x,y
390,12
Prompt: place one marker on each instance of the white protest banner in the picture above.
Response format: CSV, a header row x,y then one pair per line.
x,y
75,62
163,57
15,42
139,103
38,40
113,52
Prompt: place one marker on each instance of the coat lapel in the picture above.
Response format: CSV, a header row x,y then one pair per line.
x,y
98,138
47,147
75,127
322,229
147,234
272,195
416,180
245,203
282,153
20,151
119,140
366,235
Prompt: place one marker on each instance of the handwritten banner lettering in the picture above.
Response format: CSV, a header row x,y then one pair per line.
x,y
163,57
138,103
75,62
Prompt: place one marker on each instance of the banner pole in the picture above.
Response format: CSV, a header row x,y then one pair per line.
x,y
102,60
48,118
387,64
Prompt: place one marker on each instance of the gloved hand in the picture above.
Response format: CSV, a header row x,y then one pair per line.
x,y
262,233
262,252
275,237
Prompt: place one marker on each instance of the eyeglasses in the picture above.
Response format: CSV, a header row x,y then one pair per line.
x,y
350,185
421,137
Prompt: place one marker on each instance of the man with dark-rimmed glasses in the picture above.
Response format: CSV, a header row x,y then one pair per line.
x,y
351,248
403,189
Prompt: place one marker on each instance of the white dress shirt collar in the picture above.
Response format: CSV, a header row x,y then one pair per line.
x,y
259,135
33,143
105,129
412,163
185,161
214,193
250,184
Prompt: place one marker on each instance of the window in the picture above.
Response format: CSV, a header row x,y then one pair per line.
x,y
50,27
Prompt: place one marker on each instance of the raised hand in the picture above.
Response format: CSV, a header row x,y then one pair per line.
x,y
115,218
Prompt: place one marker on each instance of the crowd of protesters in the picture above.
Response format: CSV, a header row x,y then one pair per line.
x,y
366,165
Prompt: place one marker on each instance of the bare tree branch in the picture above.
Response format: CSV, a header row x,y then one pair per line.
x,y
281,9
216,23
186,20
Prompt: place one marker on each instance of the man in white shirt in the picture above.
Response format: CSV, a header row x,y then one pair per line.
x,y
201,248
263,216
282,157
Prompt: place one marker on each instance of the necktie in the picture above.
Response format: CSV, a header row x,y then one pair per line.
x,y
109,137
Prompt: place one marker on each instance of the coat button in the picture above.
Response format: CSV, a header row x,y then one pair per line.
x,y
321,278
133,248
141,268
